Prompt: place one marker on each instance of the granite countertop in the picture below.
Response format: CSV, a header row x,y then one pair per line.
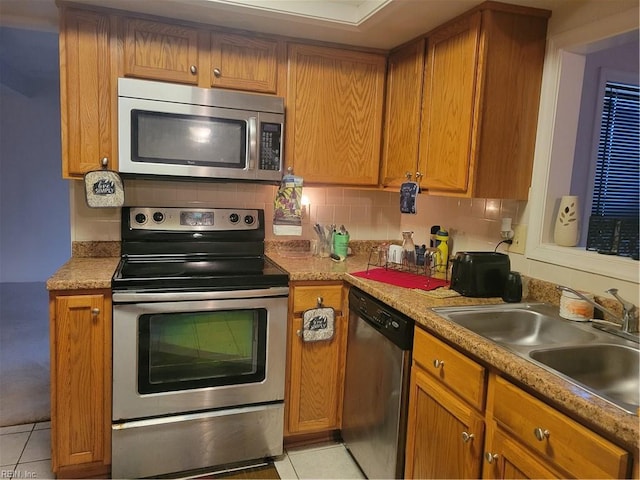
x,y
84,272
601,416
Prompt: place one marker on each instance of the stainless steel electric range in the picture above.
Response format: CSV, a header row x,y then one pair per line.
x,y
199,342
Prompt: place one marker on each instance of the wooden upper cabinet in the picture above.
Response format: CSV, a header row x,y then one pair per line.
x,y
160,51
402,114
480,102
86,93
244,63
334,114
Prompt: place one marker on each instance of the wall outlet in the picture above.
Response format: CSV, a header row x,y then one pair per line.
x,y
519,239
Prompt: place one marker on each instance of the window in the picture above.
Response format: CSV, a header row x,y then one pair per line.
x,y
613,224
616,183
555,166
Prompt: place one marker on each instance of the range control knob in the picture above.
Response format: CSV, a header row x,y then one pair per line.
x,y
141,218
158,217
248,219
233,218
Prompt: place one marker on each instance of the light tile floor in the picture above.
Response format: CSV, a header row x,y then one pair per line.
x,y
25,453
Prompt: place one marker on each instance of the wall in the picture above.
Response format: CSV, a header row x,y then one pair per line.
x,y
34,200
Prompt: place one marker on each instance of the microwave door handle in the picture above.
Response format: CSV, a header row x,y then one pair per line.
x,y
253,143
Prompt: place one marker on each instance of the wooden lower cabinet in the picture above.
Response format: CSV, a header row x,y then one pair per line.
x,y
80,343
315,370
557,442
506,458
445,435
451,435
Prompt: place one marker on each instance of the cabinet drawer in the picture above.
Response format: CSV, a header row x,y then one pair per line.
x,y
306,297
462,375
565,442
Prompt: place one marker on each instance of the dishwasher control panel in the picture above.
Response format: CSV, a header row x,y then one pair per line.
x,y
394,325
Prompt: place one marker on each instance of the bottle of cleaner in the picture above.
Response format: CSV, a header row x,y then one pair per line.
x,y
442,253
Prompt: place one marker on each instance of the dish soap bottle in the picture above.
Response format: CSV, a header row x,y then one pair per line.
x,y
408,250
442,251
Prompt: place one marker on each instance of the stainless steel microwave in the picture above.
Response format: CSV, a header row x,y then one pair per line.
x,y
183,131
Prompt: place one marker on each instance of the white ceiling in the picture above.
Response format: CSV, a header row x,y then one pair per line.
x,y
371,23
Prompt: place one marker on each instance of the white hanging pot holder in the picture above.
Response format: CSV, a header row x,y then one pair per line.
x,y
318,323
103,188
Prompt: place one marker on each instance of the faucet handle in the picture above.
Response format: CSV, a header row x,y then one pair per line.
x,y
630,320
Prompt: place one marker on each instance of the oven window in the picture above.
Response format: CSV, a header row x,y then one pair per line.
x,y
180,351
159,137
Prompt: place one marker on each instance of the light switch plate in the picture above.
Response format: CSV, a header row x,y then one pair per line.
x,y
519,239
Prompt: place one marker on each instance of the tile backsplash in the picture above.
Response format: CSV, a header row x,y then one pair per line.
x,y
367,214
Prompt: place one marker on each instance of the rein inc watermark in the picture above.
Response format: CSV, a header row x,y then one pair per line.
x,y
18,474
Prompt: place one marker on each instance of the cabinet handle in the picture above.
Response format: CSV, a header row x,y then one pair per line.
x,y
541,433
217,72
467,437
490,457
95,312
193,69
438,363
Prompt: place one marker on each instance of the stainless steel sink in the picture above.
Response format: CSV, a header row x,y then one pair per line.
x,y
518,326
612,370
600,362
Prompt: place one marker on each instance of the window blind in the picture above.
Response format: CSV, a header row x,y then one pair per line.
x,y
617,178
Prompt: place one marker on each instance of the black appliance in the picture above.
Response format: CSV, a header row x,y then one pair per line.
x,y
480,274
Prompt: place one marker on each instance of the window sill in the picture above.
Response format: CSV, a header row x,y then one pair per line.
x,y
621,268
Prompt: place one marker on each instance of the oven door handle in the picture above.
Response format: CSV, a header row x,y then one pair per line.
x,y
150,296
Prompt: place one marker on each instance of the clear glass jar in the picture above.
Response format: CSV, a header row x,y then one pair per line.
x,y
408,250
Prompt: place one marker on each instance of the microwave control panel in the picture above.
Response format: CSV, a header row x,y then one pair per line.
x,y
270,146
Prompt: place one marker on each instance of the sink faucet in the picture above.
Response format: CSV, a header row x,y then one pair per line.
x,y
629,318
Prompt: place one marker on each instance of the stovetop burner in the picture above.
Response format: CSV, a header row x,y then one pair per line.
x,y
194,249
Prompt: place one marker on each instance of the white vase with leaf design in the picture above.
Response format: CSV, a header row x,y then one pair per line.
x,y
566,231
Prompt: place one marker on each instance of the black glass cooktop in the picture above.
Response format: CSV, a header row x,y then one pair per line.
x,y
197,273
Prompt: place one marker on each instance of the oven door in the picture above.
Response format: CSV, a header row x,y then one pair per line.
x,y
188,352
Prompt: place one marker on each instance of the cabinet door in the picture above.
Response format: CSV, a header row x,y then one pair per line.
x,y
160,51
244,63
448,106
334,123
85,92
444,435
80,381
506,458
316,382
315,369
402,114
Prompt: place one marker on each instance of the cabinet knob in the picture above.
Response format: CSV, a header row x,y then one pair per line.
x,y
438,363
95,312
299,333
541,433
490,457
418,175
193,69
104,161
217,72
467,437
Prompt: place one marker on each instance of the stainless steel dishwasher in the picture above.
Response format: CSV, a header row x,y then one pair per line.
x,y
374,417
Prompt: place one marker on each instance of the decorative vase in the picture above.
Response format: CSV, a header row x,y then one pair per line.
x,y
565,233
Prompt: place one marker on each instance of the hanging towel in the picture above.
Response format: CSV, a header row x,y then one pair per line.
x,y
408,193
103,188
318,324
287,216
